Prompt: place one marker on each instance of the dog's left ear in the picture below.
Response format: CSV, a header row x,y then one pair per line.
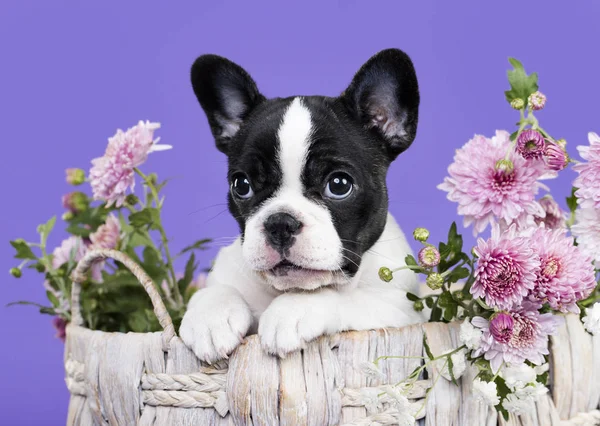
x,y
384,97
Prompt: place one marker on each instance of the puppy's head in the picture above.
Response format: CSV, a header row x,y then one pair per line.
x,y
307,174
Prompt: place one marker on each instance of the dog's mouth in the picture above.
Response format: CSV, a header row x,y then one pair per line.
x,y
285,267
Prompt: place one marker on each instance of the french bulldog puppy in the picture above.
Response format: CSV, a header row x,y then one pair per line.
x,y
307,179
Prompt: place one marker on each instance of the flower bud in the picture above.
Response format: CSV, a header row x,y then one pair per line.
x,y
434,281
418,306
536,101
132,199
501,326
40,268
386,274
445,299
20,241
75,176
16,272
153,178
517,103
556,157
68,216
531,144
75,202
562,143
458,296
429,257
421,234
505,166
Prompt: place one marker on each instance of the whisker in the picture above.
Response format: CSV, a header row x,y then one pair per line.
x,y
206,208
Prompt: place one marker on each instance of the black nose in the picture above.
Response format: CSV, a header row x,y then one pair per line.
x,y
280,230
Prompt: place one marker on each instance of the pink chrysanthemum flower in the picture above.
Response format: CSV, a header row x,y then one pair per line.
x,y
587,232
536,101
506,268
556,158
71,247
112,174
555,217
429,257
107,235
60,325
531,144
527,340
486,194
566,275
588,181
501,327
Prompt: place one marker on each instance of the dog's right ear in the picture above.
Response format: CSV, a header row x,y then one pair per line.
x,y
227,94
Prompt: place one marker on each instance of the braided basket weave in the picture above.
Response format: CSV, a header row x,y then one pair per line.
x,y
154,379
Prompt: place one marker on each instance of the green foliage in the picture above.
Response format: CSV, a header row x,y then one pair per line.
x,y
572,201
23,250
198,245
117,301
521,84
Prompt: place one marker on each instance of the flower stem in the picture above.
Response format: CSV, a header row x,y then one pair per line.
x,y
163,235
411,267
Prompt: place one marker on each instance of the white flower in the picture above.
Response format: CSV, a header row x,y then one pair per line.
x,y
398,400
369,397
591,321
371,370
470,336
404,419
459,365
486,392
541,369
518,376
517,406
532,391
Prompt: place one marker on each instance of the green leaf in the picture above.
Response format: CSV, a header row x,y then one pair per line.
x,y
429,302
450,312
198,245
444,250
190,270
427,348
52,298
46,228
153,264
455,239
572,200
415,373
458,274
23,250
79,231
521,84
410,260
436,314
139,238
503,391
412,297
451,370
149,216
513,135
43,309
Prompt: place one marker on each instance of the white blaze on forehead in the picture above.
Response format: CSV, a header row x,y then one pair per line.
x,y
294,139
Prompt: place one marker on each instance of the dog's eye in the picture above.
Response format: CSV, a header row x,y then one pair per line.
x,y
339,186
240,186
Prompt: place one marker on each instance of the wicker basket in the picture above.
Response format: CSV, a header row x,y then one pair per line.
x,y
154,379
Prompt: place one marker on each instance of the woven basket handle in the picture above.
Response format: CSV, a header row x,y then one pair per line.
x,y
79,276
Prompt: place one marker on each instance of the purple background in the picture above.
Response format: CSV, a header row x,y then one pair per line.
x,y
72,72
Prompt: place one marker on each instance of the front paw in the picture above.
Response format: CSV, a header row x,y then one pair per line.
x,y
288,324
213,332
